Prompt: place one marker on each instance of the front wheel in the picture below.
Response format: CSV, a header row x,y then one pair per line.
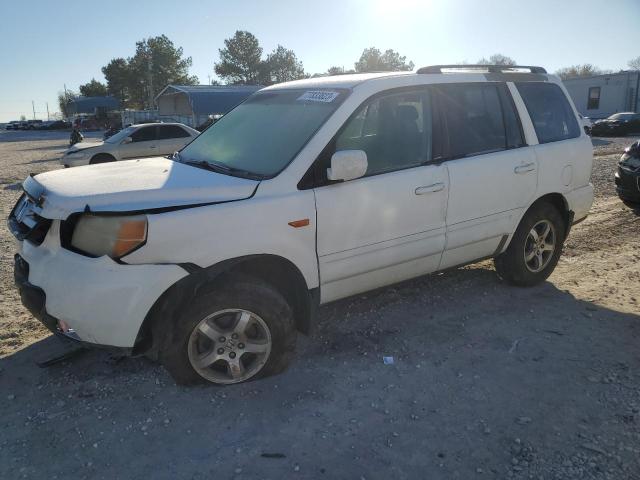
x,y
237,332
535,248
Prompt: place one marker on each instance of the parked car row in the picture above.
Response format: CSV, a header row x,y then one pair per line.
x,y
37,125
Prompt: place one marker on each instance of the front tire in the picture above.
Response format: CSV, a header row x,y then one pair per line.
x,y
535,248
240,330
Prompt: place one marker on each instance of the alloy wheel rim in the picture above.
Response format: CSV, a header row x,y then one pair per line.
x,y
540,246
229,346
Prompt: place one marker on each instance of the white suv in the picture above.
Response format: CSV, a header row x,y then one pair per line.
x,y
136,141
308,192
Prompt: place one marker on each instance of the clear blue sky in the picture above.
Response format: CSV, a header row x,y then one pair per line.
x,y
46,44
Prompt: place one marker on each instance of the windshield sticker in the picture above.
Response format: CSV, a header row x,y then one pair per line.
x,y
318,96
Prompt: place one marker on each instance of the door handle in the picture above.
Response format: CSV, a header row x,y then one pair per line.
x,y
527,167
435,187
152,146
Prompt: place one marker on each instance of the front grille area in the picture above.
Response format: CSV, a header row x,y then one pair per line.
x,y
25,224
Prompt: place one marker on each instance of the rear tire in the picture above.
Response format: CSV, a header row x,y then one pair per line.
x,y
535,248
101,158
207,342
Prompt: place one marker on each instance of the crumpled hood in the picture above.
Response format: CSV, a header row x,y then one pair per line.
x,y
132,185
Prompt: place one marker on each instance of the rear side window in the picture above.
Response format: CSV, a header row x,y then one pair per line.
x,y
144,134
550,112
479,118
172,131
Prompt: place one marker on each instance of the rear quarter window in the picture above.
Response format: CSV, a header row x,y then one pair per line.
x,y
552,116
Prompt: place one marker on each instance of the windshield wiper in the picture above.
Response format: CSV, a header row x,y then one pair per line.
x,y
222,168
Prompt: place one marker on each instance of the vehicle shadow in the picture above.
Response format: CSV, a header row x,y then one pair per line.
x,y
434,310
42,160
467,353
61,147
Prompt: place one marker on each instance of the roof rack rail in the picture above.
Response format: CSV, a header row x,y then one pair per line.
x,y
488,68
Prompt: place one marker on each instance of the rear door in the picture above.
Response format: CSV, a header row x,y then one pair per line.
x,y
390,224
492,173
171,138
144,143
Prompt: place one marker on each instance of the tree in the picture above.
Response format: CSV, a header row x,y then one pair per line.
x,y
240,60
372,60
339,71
118,76
93,89
64,98
497,59
157,63
281,65
634,63
586,70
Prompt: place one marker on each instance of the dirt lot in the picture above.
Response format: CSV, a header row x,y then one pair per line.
x,y
489,381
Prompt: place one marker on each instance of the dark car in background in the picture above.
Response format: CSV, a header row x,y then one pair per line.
x,y
12,125
618,124
627,177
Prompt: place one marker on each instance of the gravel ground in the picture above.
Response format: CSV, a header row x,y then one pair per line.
x,y
488,381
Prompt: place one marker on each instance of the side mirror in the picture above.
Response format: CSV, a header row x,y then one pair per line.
x,y
347,165
127,140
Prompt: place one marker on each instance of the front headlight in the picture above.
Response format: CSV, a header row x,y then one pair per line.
x,y
114,236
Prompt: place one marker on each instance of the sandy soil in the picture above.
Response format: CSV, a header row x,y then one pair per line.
x,y
488,381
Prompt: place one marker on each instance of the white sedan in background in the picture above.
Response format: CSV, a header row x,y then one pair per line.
x,y
136,141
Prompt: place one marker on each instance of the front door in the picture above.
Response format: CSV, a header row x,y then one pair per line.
x,y
492,173
144,144
389,225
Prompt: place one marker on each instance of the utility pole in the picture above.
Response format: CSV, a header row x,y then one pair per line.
x,y
150,65
33,106
47,111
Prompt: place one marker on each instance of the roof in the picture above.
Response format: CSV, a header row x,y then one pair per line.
x,y
211,99
337,81
621,73
89,104
352,80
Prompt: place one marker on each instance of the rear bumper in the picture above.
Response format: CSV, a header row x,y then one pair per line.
x,y
580,201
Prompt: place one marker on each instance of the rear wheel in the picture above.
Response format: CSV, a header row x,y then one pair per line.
x,y
101,158
237,332
535,248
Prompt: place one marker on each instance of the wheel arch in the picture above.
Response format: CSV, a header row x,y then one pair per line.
x,y
275,270
103,155
557,200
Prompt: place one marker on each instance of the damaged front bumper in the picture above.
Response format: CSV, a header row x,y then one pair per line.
x,y
96,301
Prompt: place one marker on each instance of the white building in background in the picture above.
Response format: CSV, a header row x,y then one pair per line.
x,y
603,95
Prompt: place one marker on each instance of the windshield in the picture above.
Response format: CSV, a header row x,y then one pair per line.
x,y
621,116
121,135
263,135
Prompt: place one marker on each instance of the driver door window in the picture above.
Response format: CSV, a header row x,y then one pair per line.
x,y
394,131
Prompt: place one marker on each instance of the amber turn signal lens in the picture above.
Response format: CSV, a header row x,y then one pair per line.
x,y
299,223
132,233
